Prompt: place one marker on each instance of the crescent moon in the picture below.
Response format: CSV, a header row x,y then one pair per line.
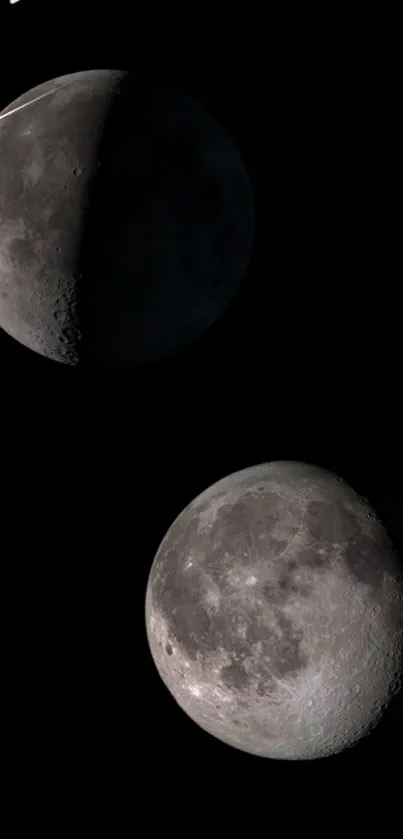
x,y
126,220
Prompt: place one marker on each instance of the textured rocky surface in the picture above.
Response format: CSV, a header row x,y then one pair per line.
x,y
274,612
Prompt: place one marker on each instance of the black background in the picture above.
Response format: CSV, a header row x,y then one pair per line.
x,y
305,364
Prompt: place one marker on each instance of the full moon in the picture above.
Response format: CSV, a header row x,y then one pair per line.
x,y
126,219
274,612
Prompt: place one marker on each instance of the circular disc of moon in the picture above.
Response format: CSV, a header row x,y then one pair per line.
x,y
274,612
126,219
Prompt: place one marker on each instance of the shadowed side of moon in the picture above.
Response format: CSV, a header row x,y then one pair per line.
x,y
126,219
274,613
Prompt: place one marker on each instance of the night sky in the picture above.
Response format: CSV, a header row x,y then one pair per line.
x,y
304,365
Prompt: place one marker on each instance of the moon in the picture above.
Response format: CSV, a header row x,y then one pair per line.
x,y
274,612
126,219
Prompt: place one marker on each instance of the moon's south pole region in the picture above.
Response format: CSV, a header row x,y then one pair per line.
x,y
274,612
126,219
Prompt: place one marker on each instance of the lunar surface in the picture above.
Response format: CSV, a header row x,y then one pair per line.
x,y
274,612
126,219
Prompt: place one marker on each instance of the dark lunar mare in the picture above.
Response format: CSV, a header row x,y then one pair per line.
x,y
196,627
